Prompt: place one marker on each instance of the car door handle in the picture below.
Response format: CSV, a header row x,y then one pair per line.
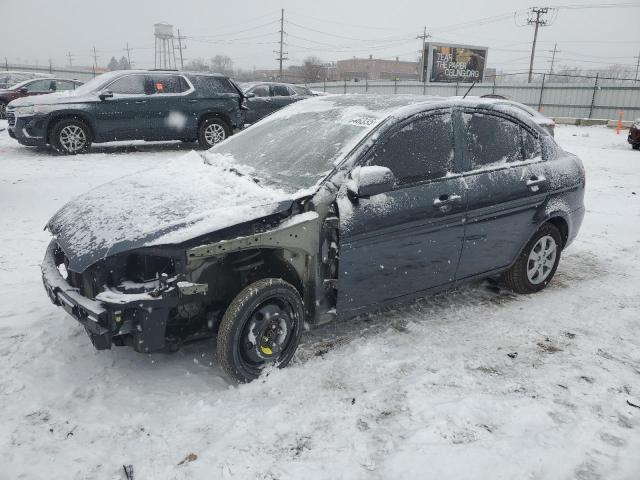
x,y
141,101
445,200
536,180
192,100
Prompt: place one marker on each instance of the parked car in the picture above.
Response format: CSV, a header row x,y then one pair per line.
x,y
265,98
130,105
634,135
29,88
10,78
390,198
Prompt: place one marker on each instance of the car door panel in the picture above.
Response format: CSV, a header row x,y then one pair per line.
x,y
406,240
503,202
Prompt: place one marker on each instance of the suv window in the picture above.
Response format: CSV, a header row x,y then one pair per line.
x,y
40,86
281,91
491,140
300,90
169,84
65,85
421,150
261,91
209,86
129,85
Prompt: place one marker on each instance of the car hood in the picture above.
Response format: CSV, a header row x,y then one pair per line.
x,y
169,204
53,99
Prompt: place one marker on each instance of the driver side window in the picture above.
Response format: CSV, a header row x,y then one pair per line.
x,y
129,85
422,149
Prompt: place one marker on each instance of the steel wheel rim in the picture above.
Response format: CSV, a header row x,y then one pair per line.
x,y
214,133
271,325
541,259
73,138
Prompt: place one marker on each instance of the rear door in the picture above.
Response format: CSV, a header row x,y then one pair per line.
x,y
170,114
406,240
125,116
505,173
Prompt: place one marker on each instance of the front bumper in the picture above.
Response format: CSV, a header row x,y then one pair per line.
x,y
29,130
139,323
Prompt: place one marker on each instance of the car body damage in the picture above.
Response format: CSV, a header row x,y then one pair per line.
x,y
266,234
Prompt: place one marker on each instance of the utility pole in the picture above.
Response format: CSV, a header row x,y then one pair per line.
x,y
423,54
95,59
128,55
180,48
281,54
637,65
69,56
553,56
539,13
50,66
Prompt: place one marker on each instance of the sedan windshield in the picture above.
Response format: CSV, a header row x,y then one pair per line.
x,y
298,146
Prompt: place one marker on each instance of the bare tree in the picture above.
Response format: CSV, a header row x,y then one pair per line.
x,y
313,69
222,64
197,65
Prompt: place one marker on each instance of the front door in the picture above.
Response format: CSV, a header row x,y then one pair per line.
x,y
406,240
125,116
507,184
260,104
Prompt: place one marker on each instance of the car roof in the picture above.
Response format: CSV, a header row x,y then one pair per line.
x,y
170,72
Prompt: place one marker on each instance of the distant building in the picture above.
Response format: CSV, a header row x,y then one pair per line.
x,y
377,69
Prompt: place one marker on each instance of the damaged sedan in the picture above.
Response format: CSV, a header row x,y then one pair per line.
x,y
329,208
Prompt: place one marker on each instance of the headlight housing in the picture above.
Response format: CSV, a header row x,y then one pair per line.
x,y
34,110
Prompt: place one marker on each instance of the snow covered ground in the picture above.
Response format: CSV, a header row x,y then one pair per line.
x,y
425,391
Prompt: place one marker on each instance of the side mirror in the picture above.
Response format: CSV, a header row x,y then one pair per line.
x,y
24,90
371,180
104,94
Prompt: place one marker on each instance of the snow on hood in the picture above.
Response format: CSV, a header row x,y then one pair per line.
x,y
169,204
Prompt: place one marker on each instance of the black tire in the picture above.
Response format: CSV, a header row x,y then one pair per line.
x,y
635,147
244,321
518,279
3,110
66,127
211,131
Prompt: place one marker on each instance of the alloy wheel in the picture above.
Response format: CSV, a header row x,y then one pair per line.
x,y
73,138
214,133
541,259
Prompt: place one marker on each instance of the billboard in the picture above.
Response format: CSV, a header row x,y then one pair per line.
x,y
453,63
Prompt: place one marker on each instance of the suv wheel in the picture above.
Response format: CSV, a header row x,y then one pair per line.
x,y
3,110
212,130
70,137
537,263
261,327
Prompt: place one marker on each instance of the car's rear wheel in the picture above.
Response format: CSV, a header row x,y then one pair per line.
x,y
261,327
537,263
212,130
70,137
3,110
636,146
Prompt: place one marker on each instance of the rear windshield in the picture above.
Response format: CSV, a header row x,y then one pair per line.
x,y
208,86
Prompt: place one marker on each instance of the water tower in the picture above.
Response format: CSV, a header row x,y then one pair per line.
x,y
165,49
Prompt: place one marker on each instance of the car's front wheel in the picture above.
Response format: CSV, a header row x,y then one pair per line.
x,y
70,137
537,263
212,130
261,327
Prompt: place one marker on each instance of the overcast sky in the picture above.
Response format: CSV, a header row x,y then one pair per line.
x,y
35,30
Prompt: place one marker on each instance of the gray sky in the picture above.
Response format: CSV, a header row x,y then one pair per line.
x,y
34,30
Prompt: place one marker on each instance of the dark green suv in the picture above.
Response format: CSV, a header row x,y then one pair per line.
x,y
131,105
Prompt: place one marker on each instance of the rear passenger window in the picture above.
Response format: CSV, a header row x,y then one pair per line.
x,y
530,146
261,91
421,150
169,84
281,91
210,86
129,85
491,140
